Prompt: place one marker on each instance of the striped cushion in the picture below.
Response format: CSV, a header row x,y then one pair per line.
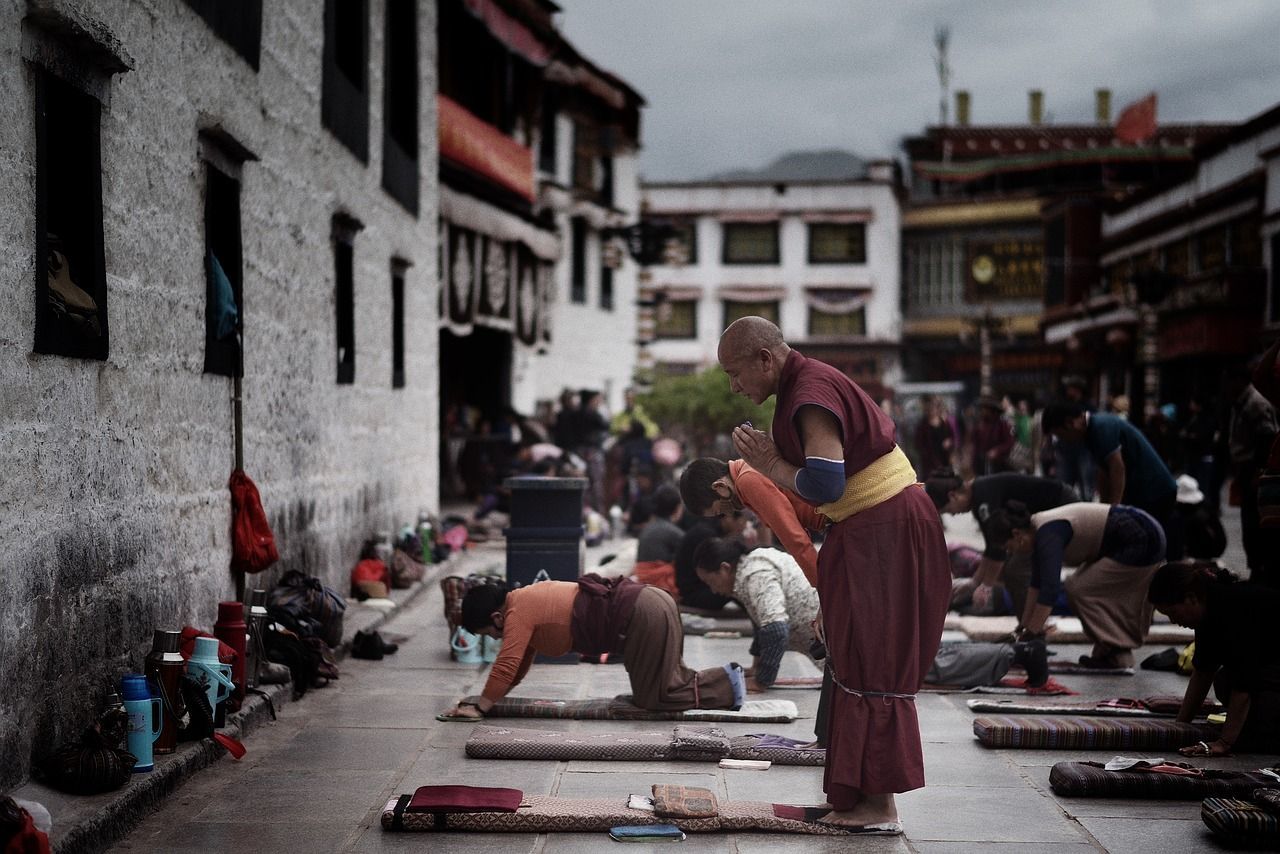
x,y
1091,780
494,742
1240,820
550,814
622,709
1081,733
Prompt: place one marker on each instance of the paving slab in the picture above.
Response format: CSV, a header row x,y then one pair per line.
x,y
1167,836
958,813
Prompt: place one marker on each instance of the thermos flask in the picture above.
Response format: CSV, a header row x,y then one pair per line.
x,y
212,674
255,649
144,719
230,629
164,667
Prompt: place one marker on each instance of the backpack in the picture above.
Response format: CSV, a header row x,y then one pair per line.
x,y
313,608
253,548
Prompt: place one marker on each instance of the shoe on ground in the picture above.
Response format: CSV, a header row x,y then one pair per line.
x,y
272,673
1101,662
367,645
1034,658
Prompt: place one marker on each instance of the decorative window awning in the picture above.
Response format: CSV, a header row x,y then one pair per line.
x,y
837,300
751,293
518,38
749,216
679,294
469,212
838,217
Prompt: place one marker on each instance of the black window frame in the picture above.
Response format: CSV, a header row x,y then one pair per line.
x,y
222,239
1274,309
686,233
236,22
549,136
861,227
578,260
87,264
345,228
728,316
662,330
606,287
729,225
401,151
399,268
344,102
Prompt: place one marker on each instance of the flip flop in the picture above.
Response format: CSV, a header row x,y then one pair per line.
x,y
883,828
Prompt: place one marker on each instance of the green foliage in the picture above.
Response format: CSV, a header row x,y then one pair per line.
x,y
698,407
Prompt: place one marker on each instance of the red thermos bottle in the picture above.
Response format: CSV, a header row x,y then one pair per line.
x,y
230,629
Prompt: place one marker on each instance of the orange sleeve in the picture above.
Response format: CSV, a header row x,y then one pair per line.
x,y
513,659
785,513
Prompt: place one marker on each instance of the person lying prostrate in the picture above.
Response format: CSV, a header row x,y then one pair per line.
x,y
593,616
712,487
1116,549
980,496
772,588
1237,651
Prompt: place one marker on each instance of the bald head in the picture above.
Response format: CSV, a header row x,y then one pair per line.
x,y
752,354
750,335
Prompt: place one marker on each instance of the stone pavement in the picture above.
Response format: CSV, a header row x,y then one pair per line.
x,y
316,779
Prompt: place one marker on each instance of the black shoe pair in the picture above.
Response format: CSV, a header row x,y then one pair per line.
x,y
368,644
1033,655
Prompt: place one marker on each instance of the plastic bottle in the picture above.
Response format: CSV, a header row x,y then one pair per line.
x,y
144,719
230,629
424,531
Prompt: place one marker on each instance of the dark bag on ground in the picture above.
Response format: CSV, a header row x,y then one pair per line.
x,y
315,609
284,646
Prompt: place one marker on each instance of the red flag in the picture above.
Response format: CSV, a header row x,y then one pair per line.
x,y
1137,121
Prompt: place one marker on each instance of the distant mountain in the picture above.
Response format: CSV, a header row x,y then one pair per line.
x,y
830,165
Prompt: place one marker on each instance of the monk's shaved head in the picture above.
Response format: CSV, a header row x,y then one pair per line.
x,y
751,335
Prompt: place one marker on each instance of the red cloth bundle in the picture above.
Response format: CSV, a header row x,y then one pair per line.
x,y
464,799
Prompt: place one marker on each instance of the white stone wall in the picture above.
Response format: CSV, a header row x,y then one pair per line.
x,y
590,347
713,204
114,511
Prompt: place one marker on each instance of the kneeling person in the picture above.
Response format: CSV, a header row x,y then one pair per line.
x,y
592,616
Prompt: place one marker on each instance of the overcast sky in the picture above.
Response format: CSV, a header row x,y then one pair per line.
x,y
735,83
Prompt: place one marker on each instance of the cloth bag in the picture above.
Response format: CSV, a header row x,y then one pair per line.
x,y
253,548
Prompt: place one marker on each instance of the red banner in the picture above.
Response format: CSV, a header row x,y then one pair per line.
x,y
1137,121
485,150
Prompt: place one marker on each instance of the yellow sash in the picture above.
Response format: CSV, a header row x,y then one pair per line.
x,y
878,482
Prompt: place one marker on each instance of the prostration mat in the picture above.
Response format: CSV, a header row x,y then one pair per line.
x,y
1092,780
694,624
1116,707
622,709
681,743
1086,733
1251,821
1007,685
1065,630
550,814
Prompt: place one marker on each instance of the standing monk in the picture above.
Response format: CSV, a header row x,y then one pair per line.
x,y
884,579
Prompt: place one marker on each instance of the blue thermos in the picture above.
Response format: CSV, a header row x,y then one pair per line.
x,y
145,721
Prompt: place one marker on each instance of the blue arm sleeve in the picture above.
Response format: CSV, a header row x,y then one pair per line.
x,y
772,640
1046,563
820,480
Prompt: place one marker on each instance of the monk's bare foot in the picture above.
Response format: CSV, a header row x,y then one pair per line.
x,y
872,809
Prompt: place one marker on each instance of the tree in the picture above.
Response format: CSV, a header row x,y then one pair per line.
x,y
697,408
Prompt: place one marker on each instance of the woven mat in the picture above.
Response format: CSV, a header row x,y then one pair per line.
x,y
549,814
497,742
1067,630
723,626
1008,685
1151,707
1087,733
1091,780
621,709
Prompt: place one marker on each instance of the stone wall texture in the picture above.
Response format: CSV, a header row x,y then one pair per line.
x,y
114,509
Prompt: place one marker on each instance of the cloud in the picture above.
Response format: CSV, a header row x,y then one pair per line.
x,y
734,83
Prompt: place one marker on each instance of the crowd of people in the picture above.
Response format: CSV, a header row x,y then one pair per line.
x,y
823,534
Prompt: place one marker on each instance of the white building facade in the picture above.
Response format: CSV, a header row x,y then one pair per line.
x,y
820,259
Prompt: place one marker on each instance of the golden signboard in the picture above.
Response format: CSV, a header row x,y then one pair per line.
x,y
1004,269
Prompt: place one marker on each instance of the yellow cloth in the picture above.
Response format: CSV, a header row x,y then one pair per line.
x,y
878,482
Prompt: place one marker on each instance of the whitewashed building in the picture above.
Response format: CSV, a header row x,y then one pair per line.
x,y
819,256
